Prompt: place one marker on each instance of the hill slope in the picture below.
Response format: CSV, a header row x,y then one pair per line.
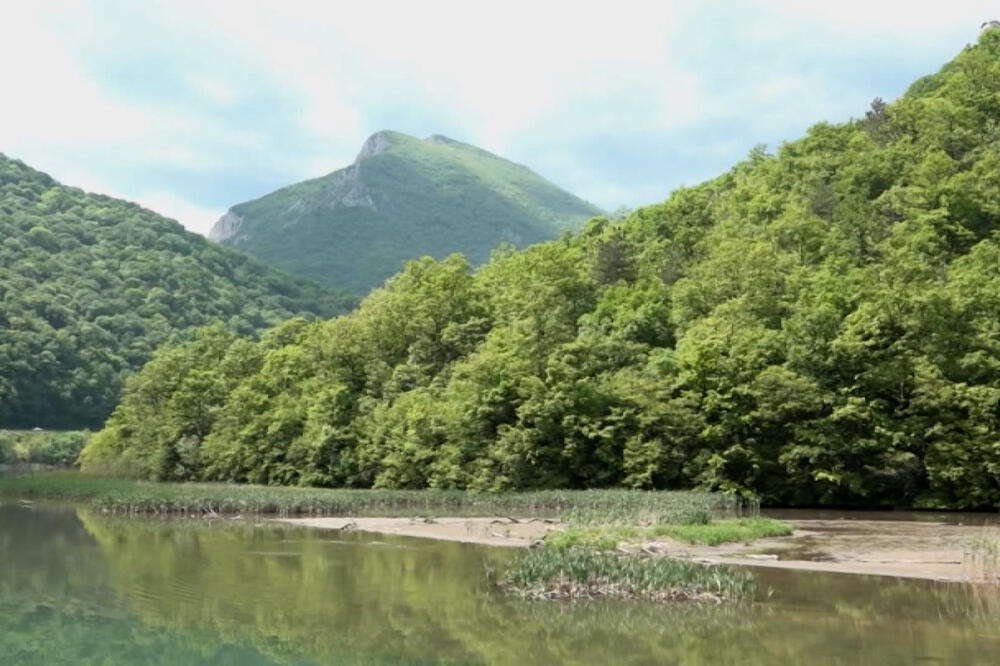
x,y
819,326
401,199
90,285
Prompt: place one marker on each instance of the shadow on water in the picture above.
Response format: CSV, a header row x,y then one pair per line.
x,y
76,587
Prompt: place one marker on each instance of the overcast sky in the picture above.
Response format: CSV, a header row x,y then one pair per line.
x,y
190,107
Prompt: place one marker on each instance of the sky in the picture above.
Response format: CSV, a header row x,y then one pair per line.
x,y
191,107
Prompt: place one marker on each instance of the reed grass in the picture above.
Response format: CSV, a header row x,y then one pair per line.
x,y
710,534
724,531
594,538
130,497
575,573
586,559
610,508
982,556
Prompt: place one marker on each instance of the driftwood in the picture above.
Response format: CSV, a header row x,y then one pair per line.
x,y
515,521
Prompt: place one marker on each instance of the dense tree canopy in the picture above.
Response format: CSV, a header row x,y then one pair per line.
x,y
817,326
90,286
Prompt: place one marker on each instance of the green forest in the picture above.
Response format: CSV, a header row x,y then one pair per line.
x,y
820,325
91,285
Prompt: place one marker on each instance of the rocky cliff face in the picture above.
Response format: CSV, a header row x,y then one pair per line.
x,y
343,189
346,189
227,227
375,144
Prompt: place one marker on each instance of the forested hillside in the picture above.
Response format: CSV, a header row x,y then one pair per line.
x,y
819,326
401,199
91,285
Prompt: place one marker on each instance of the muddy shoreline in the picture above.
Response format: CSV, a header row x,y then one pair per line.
x,y
897,548
489,531
902,549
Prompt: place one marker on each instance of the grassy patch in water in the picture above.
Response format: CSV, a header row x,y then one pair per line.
x,y
130,497
575,573
584,561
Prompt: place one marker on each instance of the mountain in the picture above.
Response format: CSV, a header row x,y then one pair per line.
x,y
401,199
820,326
91,285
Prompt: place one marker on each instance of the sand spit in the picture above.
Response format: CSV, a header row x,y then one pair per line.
x,y
490,531
906,549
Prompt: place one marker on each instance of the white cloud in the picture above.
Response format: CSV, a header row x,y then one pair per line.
x,y
289,90
49,99
195,218
181,157
903,20
214,90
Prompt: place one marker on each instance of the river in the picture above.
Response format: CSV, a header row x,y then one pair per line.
x,y
80,588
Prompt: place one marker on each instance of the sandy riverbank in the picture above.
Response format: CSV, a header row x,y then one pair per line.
x,y
908,549
491,531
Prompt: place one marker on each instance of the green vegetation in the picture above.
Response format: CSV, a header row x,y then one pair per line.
x,y
557,573
814,327
60,448
124,496
403,198
600,551
592,538
724,531
711,533
90,286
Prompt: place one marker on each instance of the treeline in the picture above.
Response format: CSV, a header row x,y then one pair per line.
x,y
59,448
90,286
820,326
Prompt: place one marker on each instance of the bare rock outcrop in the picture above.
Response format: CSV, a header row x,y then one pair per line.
x,y
227,227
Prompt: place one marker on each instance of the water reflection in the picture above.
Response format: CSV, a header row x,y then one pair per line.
x,y
77,587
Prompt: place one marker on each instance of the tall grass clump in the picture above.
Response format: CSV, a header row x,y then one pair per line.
x,y
552,573
610,537
631,507
723,531
982,556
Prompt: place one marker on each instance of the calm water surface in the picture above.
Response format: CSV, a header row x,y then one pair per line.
x,y
78,588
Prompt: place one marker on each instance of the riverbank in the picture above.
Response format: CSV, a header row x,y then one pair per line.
x,y
900,549
138,498
506,531
499,531
551,571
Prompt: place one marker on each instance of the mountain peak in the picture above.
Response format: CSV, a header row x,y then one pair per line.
x,y
377,143
440,139
356,226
